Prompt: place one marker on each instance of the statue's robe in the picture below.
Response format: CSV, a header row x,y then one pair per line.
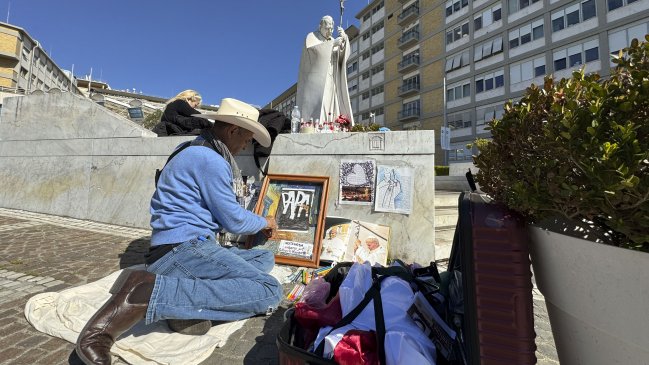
x,y
322,80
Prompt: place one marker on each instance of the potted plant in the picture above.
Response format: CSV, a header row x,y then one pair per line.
x,y
572,156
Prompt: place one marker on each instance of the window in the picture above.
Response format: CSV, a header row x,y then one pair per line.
x,y
377,8
487,17
366,36
458,92
457,61
614,4
591,54
559,59
365,95
488,49
23,73
459,120
457,33
377,90
526,70
620,39
377,27
366,16
517,5
353,67
573,14
365,56
489,113
410,83
365,75
410,108
377,69
526,33
489,81
575,55
378,48
455,6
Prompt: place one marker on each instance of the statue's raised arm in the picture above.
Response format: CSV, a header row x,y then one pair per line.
x,y
322,81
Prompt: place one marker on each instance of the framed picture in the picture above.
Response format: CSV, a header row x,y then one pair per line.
x,y
299,205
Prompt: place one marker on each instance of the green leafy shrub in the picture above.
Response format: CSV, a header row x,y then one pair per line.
x,y
577,148
150,120
365,128
441,170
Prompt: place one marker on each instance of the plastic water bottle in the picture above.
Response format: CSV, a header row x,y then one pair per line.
x,y
295,120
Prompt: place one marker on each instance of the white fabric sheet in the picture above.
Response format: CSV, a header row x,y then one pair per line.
x,y
65,313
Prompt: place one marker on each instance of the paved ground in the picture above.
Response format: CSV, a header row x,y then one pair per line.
x,y
47,253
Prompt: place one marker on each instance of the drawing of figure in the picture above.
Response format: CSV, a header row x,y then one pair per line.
x,y
389,188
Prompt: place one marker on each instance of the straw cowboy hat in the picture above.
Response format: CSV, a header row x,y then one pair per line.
x,y
242,115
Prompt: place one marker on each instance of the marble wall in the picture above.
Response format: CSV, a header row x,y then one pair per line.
x,y
413,235
64,155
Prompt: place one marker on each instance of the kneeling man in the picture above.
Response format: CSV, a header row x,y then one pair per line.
x,y
189,275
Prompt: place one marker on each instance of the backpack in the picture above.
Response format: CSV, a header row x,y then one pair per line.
x,y
275,122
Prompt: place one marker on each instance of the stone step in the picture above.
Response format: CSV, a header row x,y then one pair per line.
x,y
446,198
443,243
445,217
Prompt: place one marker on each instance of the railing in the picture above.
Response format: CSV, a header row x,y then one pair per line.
x,y
409,61
409,87
412,10
15,90
407,37
409,113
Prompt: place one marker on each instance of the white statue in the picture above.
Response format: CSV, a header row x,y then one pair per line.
x,y
322,81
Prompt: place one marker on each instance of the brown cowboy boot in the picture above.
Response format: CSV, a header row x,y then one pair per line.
x,y
131,293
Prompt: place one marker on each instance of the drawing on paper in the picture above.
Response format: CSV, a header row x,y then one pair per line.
x,y
394,189
356,182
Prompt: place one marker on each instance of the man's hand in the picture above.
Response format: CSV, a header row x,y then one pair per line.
x,y
342,38
271,227
341,33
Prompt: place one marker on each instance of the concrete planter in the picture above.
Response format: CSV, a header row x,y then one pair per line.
x,y
597,298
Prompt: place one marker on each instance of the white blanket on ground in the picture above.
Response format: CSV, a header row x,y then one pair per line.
x,y
64,315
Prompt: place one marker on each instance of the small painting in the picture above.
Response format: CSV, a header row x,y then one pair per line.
x,y
356,182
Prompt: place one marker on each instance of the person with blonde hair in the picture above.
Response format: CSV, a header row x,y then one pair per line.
x,y
177,117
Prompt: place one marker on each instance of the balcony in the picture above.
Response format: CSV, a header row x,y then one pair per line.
x,y
408,63
409,14
408,39
408,89
407,114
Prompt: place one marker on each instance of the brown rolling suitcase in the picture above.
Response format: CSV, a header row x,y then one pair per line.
x,y
490,251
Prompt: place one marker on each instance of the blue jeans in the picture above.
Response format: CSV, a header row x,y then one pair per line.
x,y
200,279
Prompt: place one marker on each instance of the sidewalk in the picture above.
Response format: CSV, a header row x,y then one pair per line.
x,y
41,253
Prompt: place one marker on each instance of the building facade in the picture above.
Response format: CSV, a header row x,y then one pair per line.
x,y
26,67
424,64
496,49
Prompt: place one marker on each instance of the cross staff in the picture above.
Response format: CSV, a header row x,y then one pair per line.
x,y
342,10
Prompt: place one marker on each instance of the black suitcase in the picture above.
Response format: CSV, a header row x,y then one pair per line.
x,y
491,253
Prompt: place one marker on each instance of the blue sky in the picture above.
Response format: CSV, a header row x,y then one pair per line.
x,y
248,50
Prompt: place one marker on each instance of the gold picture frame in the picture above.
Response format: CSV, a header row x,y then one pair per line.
x,y
299,204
